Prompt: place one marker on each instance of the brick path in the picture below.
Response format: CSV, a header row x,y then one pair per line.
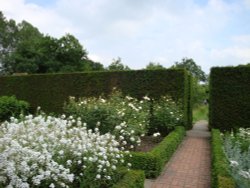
x,y
190,165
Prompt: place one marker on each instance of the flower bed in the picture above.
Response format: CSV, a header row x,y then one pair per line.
x,y
153,162
221,177
52,152
237,150
88,148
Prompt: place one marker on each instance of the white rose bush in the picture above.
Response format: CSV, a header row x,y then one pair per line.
x,y
45,151
125,117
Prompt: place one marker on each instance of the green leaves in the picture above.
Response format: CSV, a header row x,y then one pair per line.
x,y
23,48
10,106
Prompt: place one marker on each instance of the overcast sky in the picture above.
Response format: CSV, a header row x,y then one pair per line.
x,y
212,32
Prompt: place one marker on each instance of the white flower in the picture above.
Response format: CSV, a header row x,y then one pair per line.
x,y
146,98
98,176
245,174
234,163
69,162
132,139
156,134
52,185
118,127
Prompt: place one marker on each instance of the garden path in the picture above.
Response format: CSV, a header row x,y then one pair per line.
x,y
190,166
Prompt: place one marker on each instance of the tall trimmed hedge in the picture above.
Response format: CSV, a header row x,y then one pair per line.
x,y
229,98
50,91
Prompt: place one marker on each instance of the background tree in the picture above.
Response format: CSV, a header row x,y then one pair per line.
x,y
117,65
8,33
24,49
190,65
154,66
200,81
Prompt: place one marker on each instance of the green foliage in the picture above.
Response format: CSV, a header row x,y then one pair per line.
x,y
131,179
23,49
237,150
153,162
229,103
192,67
221,177
200,113
117,65
154,66
107,113
11,107
50,91
166,115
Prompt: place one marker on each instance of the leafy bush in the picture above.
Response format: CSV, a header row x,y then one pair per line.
x,y
153,162
125,117
166,115
106,113
131,179
10,106
237,150
45,151
221,177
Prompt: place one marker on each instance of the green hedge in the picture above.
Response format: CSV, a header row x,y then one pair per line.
x,y
131,179
221,177
50,91
153,162
229,98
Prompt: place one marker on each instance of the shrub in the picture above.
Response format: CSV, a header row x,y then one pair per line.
x,y
108,112
237,150
131,179
125,117
153,162
45,151
166,114
221,177
229,98
10,106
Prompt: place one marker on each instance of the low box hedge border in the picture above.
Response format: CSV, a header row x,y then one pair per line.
x,y
131,179
221,177
152,162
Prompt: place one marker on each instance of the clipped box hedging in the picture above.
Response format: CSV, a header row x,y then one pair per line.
x,y
50,91
221,177
229,98
153,162
131,179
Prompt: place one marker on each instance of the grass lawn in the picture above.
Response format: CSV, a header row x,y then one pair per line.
x,y
200,113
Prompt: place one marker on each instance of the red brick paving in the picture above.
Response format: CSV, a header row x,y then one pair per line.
x,y
190,165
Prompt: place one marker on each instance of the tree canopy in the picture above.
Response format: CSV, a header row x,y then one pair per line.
x,y
190,65
23,48
154,66
116,64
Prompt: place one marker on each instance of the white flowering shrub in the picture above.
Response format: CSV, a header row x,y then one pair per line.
x,y
237,150
52,152
125,117
166,115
